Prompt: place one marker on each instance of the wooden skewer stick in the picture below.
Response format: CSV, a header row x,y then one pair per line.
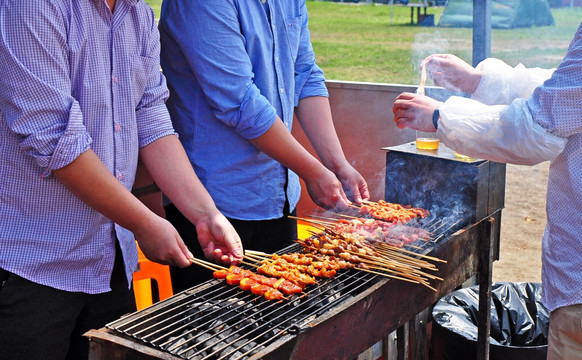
x,y
316,220
249,264
312,232
414,265
316,223
403,274
251,258
257,256
349,216
414,247
331,220
390,255
410,252
397,256
260,253
388,275
371,260
420,89
206,264
430,287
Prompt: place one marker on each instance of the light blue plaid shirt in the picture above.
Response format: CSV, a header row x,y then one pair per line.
x,y
72,77
554,102
232,66
557,106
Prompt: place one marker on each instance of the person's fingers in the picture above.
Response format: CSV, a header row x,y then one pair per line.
x,y
399,105
342,202
237,249
401,117
355,190
209,250
402,123
364,192
218,254
405,96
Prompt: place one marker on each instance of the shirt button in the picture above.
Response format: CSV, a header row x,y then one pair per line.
x,y
117,127
115,79
119,176
282,90
276,58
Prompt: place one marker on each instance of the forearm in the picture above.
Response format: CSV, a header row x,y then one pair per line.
x,y
503,133
169,166
88,179
279,144
500,83
314,115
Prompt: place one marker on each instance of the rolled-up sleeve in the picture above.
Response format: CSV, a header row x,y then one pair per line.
x,y
37,103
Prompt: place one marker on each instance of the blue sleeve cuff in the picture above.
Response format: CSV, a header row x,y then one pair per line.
x,y
257,115
310,83
435,118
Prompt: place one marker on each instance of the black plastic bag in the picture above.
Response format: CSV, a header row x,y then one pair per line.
x,y
519,323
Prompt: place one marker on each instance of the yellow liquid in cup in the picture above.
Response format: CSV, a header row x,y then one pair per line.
x,y
427,143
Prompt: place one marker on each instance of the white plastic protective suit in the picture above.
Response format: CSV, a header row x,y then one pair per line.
x,y
496,123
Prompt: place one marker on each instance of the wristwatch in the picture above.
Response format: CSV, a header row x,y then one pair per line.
x,y
435,118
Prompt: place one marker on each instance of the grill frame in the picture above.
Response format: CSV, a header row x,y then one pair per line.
x,y
353,326
168,317
359,322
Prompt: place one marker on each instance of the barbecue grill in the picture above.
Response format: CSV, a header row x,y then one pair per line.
x,y
341,317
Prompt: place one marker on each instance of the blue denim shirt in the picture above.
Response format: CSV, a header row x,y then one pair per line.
x,y
232,66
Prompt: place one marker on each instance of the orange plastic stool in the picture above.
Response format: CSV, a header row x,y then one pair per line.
x,y
142,286
303,230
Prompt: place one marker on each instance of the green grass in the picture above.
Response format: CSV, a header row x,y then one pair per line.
x,y
376,43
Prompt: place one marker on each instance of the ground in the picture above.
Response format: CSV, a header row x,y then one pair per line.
x,y
522,224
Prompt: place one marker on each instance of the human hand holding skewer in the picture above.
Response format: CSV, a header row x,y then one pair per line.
x,y
326,190
353,183
219,240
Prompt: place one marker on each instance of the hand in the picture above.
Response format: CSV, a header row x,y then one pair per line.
x,y
219,240
326,191
160,242
415,111
452,73
354,185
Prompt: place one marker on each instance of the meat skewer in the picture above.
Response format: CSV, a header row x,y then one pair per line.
x,y
270,288
383,210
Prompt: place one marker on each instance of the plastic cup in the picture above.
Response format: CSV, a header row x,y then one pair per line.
x,y
426,140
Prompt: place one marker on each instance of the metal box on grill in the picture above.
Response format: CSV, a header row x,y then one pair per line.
x,y
450,187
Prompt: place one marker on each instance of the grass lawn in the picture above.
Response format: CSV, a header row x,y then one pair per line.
x,y
376,43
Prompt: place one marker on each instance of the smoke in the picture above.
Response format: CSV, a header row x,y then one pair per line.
x,y
426,44
448,189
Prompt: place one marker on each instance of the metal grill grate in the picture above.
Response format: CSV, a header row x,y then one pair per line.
x,y
217,321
